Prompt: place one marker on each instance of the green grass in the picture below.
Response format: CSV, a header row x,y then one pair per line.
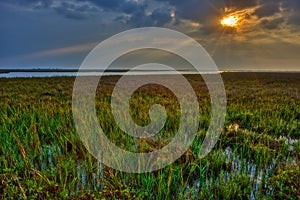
x,y
257,155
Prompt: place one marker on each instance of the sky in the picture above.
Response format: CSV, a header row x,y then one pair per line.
x,y
260,34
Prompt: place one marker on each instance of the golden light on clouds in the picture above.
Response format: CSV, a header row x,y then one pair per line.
x,y
231,21
195,24
239,19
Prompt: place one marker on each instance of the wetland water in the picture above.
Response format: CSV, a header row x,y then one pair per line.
x,y
54,74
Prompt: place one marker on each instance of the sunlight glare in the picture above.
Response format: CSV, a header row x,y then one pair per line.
x,y
230,21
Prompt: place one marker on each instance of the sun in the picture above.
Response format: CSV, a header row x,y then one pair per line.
x,y
231,21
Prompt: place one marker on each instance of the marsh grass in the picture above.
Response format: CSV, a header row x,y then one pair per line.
x,y
257,155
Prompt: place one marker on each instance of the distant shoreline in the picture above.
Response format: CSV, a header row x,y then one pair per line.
x,y
55,70
44,73
254,75
4,71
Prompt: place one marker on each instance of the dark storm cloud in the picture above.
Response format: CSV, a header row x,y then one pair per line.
x,y
158,17
196,10
294,4
33,3
293,7
289,10
161,16
131,12
268,9
294,19
119,5
134,12
272,24
75,10
70,9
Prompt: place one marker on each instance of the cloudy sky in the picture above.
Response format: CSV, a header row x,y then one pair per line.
x,y
260,34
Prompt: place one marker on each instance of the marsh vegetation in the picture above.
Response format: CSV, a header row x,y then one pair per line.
x,y
256,157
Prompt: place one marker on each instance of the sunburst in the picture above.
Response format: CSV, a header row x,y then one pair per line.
x,y
231,21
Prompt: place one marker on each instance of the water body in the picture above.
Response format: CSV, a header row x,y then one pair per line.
x,y
55,74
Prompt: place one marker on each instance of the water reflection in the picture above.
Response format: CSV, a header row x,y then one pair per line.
x,y
55,74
